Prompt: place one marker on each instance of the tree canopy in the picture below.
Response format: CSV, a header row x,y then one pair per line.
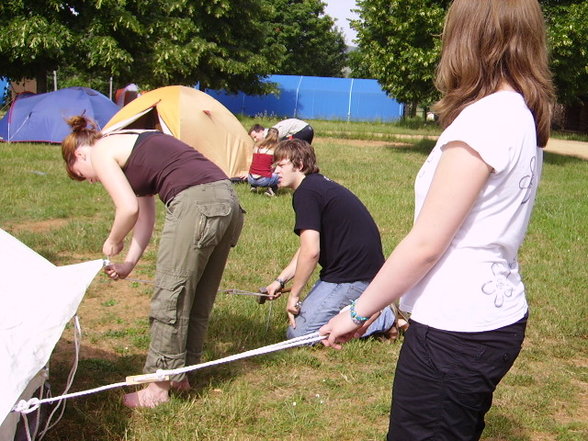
x,y
399,45
567,31
302,40
220,44
150,42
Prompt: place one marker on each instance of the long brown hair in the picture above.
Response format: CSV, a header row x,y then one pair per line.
x,y
270,141
84,131
487,43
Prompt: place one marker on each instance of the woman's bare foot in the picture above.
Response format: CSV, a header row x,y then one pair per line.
x,y
181,386
151,396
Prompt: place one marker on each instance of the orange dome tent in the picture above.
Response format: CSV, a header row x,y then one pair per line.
x,y
194,117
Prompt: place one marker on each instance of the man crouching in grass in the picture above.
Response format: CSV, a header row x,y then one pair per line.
x,y
336,231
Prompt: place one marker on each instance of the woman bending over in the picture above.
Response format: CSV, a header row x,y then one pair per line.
x,y
203,221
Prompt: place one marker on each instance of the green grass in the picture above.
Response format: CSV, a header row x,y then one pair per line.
x,y
307,393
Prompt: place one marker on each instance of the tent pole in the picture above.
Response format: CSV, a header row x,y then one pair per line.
x,y
54,80
110,91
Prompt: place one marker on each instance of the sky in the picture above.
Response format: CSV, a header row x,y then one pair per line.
x,y
340,10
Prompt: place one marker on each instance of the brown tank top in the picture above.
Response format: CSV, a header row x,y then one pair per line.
x,y
163,165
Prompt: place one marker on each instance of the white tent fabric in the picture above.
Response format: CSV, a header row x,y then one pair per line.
x,y
37,299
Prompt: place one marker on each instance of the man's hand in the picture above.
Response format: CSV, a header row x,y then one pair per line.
x,y
273,290
293,309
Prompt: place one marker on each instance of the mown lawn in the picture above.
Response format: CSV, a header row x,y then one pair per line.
x,y
306,393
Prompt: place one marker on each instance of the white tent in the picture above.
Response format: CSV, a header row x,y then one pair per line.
x,y
37,299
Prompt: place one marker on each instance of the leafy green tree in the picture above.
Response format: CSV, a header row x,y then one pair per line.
x,y
33,39
150,42
399,45
567,31
302,40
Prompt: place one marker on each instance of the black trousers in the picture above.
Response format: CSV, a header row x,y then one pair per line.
x,y
444,381
306,134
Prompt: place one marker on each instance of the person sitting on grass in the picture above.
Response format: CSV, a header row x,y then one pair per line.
x,y
261,172
203,221
336,231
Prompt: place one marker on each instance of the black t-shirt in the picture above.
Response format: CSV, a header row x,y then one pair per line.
x,y
351,248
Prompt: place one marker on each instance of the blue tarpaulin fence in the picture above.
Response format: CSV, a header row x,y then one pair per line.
x,y
3,87
347,99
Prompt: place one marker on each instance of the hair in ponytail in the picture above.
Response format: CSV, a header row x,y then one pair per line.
x,y
84,131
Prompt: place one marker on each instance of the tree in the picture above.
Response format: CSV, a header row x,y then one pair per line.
x,y
153,43
33,39
302,40
567,30
399,45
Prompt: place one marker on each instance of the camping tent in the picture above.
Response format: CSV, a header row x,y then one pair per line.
x,y
194,117
126,94
37,299
42,117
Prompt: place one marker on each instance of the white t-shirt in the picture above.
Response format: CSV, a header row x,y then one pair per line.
x,y
289,126
476,285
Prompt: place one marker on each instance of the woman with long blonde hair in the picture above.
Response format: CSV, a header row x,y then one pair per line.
x,y
457,271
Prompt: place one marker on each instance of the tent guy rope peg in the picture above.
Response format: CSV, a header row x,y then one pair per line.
x,y
146,378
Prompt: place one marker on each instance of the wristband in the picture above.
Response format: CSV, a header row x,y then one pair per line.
x,y
355,317
281,282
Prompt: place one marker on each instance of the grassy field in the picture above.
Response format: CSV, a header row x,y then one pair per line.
x,y
306,393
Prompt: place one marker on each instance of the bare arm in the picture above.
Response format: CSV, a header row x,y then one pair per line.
x,y
273,289
126,203
300,269
459,178
308,256
141,235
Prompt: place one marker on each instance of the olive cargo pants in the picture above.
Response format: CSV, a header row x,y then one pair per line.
x,y
202,223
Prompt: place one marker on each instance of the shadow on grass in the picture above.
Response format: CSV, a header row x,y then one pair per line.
x,y
501,427
101,416
560,160
422,147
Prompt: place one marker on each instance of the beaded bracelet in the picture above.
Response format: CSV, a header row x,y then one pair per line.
x,y
355,317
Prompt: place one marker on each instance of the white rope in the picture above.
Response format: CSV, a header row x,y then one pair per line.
x,y
294,342
70,378
35,403
26,407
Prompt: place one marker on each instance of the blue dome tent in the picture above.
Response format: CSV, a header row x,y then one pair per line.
x,y
42,117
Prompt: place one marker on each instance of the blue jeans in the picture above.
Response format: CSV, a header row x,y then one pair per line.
x,y
325,300
263,181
